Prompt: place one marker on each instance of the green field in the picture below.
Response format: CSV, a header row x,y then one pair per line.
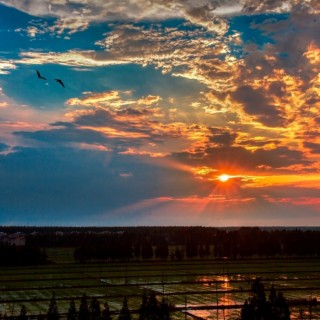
x,y
186,283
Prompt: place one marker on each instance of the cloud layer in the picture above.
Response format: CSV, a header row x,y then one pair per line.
x,y
161,98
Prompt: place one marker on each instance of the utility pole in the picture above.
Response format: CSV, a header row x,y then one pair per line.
x,y
217,297
185,308
162,280
12,310
310,307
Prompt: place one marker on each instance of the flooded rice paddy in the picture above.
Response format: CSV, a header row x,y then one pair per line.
x,y
213,289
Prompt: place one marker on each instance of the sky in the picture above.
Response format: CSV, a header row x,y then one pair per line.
x,y
173,112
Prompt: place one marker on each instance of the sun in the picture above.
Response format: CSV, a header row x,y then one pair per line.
x,y
224,178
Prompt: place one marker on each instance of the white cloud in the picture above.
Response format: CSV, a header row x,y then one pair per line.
x,y
71,58
6,66
77,14
202,12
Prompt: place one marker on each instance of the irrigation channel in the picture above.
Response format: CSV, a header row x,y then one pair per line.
x,y
210,289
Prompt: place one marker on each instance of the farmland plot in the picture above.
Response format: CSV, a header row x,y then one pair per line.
x,y
205,289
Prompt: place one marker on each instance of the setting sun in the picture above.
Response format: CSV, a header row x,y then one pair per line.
x,y
224,178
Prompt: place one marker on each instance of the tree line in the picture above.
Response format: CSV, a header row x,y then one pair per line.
x,y
198,243
150,309
24,255
175,243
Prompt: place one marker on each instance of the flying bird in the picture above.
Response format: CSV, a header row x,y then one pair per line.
x,y
60,81
40,76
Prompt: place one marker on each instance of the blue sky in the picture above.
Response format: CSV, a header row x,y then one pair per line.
x,y
161,101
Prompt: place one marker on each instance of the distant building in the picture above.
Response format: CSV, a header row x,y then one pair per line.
x,y
18,239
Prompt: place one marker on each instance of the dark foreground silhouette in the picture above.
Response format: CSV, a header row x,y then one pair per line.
x,y
258,307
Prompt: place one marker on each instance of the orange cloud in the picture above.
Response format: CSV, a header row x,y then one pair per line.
x,y
111,99
297,180
92,99
3,104
116,133
134,151
298,201
90,146
149,100
313,54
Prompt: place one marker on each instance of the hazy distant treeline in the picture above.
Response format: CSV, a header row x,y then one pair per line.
x,y
178,242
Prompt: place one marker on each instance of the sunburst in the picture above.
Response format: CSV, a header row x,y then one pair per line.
x,y
224,177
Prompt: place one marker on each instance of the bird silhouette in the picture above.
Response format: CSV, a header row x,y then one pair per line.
x,y
40,76
60,81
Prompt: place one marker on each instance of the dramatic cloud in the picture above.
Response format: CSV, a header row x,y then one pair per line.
x,y
111,99
238,158
222,137
94,99
204,12
76,15
256,103
160,99
127,131
314,147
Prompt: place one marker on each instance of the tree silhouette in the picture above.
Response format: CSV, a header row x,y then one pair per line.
x,y
72,311
105,315
191,248
165,309
258,308
95,309
272,295
247,311
151,309
23,313
143,307
301,315
162,250
281,309
146,250
83,309
125,312
137,250
53,313
178,254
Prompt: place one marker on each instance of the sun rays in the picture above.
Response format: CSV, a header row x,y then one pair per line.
x,y
224,177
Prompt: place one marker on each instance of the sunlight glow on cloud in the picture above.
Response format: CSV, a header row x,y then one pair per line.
x,y
162,98
299,201
6,66
308,180
112,132
72,58
93,99
111,99
313,54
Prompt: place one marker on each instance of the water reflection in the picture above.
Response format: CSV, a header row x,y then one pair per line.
x,y
231,290
222,295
